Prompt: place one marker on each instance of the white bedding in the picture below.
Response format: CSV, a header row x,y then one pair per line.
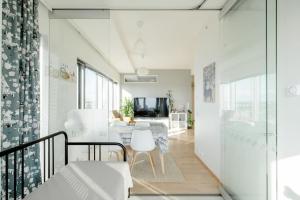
x,y
84,180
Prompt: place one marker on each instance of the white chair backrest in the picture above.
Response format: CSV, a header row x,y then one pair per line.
x,y
142,141
142,124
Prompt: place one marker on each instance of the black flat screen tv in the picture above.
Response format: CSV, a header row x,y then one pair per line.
x,y
151,107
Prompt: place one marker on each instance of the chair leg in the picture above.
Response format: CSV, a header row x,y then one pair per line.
x,y
133,161
152,165
132,157
151,154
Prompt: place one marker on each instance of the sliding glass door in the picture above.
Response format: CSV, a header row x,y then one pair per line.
x,y
248,100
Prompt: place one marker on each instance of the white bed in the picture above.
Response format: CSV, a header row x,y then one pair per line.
x,y
87,180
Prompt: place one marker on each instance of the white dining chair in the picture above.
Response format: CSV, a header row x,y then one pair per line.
x,y
142,141
115,137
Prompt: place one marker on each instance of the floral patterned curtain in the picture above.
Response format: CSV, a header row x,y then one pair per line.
x,y
20,89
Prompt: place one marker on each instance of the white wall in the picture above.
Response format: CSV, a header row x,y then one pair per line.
x,y
66,45
288,106
44,69
179,81
207,129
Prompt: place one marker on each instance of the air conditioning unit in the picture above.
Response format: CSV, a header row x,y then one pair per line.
x,y
134,78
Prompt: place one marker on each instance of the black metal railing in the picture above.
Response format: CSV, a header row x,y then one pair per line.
x,y
50,159
93,145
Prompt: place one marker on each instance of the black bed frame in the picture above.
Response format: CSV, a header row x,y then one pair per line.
x,y
50,140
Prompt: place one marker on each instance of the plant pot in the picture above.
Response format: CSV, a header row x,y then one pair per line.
x,y
127,119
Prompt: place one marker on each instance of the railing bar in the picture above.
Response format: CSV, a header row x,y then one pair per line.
x,y
44,161
15,175
48,158
94,152
102,144
66,151
6,176
89,151
52,155
22,178
23,146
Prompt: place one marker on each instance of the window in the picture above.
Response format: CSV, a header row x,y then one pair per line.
x,y
105,93
116,102
90,89
110,95
95,90
100,93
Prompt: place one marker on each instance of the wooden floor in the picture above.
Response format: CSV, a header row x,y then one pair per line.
x,y
198,179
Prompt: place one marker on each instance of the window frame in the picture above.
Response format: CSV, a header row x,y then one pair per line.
x,y
81,66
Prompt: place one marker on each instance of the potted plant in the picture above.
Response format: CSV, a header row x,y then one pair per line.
x,y
190,121
171,101
127,110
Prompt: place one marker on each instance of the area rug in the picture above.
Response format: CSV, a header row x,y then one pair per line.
x,y
142,169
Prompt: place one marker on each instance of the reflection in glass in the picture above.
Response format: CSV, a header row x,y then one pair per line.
x,y
245,99
243,126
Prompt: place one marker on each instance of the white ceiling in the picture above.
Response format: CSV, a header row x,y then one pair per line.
x,y
135,4
102,34
170,37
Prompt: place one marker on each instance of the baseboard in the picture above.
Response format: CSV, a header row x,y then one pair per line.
x,y
222,190
208,169
224,194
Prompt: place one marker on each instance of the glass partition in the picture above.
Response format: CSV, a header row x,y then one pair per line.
x,y
80,78
248,100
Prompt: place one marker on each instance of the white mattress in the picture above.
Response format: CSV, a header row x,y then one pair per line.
x,y
87,181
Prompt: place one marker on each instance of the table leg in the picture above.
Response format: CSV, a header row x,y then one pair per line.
x,y
162,161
